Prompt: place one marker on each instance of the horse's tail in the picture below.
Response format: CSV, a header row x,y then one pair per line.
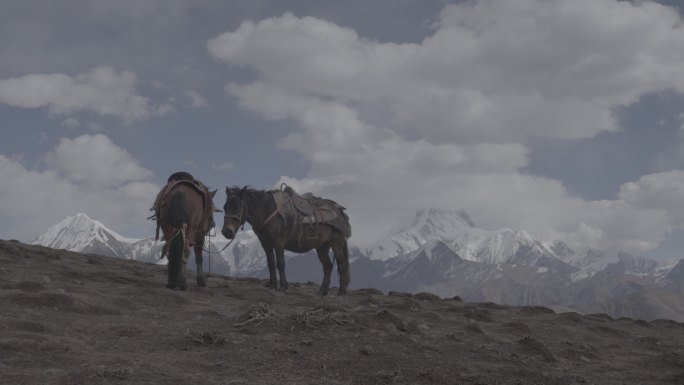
x,y
178,254
177,247
343,223
346,258
177,214
177,218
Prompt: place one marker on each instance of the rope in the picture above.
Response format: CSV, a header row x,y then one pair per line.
x,y
209,247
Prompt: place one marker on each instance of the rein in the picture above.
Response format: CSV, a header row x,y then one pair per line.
x,y
227,244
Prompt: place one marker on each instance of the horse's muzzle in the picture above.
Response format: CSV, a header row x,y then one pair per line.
x,y
228,233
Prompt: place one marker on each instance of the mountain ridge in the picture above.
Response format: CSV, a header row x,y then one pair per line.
x,y
441,252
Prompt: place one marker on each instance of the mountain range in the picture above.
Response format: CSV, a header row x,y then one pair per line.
x,y
444,253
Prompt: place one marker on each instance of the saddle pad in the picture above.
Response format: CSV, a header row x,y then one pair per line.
x,y
321,214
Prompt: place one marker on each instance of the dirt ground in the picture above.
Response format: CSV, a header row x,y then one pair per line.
x,y
70,318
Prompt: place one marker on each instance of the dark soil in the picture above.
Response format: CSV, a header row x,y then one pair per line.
x,y
70,318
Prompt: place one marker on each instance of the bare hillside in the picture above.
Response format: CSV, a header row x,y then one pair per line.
x,y
71,318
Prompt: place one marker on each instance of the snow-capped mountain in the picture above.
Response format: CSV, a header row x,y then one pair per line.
x,y
458,231
442,252
429,224
83,234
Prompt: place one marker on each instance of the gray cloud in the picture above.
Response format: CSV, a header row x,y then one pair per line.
x,y
102,91
491,76
94,159
492,71
88,174
225,166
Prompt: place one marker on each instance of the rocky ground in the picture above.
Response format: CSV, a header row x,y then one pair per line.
x,y
70,318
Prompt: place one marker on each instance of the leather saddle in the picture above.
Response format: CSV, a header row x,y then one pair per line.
x,y
301,202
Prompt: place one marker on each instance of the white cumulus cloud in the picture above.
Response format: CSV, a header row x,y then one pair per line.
x,y
36,199
492,71
94,160
102,91
391,128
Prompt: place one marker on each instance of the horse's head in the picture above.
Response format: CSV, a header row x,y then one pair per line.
x,y
235,211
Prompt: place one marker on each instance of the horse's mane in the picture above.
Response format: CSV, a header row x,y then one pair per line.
x,y
243,191
250,193
180,175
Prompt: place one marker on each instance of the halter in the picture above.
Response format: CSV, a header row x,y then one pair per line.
x,y
239,215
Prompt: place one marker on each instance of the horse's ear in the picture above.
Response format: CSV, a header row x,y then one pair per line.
x,y
227,190
213,193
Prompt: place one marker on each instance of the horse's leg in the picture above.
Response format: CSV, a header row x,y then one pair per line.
x,y
182,283
173,256
199,244
172,280
324,257
341,251
270,260
280,261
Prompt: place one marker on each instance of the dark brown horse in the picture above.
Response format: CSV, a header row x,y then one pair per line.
x,y
184,211
280,226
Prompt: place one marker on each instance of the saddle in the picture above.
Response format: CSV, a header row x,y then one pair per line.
x,y
311,211
303,203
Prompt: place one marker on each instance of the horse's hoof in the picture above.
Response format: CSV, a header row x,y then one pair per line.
x,y
271,284
342,293
282,289
183,287
171,286
201,282
323,292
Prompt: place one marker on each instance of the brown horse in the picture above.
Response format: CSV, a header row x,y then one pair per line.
x,y
279,227
184,211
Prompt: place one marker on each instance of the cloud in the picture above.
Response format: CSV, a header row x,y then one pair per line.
x,y
662,191
94,160
107,184
328,125
493,71
389,128
164,109
102,91
225,166
71,123
197,100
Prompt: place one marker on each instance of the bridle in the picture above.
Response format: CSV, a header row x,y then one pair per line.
x,y
239,216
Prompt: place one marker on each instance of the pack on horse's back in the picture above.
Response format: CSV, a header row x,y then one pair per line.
x,y
310,211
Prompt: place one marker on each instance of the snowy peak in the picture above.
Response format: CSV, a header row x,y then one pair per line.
x,y
439,222
677,272
458,231
562,250
428,224
630,264
81,233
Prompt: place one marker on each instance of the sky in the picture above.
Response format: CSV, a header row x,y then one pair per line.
x,y
563,118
